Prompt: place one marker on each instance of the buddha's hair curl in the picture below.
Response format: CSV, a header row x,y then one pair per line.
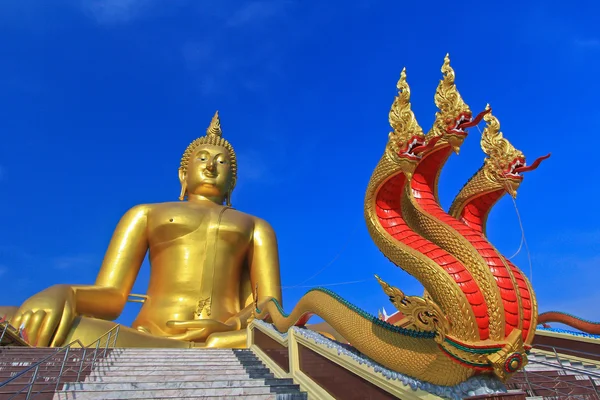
x,y
213,137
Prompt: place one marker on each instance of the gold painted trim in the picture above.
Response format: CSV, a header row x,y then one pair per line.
x,y
314,391
396,388
272,365
269,333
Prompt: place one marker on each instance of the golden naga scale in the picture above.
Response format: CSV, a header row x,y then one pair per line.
x,y
214,269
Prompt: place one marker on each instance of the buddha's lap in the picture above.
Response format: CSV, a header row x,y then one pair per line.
x,y
88,330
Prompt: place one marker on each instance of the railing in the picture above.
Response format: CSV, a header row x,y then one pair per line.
x,y
559,392
567,370
111,335
9,328
565,357
6,325
566,353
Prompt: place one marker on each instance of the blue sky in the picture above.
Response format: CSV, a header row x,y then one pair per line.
x,y
98,99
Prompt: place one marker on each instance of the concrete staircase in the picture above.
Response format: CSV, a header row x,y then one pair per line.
x,y
181,374
141,374
69,366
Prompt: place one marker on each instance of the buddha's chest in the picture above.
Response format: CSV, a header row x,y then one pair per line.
x,y
180,224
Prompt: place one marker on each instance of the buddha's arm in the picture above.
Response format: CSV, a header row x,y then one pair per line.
x,y
263,262
122,261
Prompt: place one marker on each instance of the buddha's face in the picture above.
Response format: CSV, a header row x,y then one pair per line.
x,y
208,172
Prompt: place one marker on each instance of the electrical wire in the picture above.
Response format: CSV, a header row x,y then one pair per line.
x,y
333,260
523,238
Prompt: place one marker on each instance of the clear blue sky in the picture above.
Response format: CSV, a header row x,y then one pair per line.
x,y
98,99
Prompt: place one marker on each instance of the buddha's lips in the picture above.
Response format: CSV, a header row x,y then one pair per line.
x,y
475,121
536,163
428,146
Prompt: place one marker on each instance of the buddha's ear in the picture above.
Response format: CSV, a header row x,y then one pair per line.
x,y
182,176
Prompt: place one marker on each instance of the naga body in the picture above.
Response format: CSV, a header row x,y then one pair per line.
x,y
477,311
593,328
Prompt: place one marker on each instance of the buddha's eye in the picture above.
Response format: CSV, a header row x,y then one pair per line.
x,y
222,162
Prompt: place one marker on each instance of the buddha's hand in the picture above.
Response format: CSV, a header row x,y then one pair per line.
x,y
199,330
50,311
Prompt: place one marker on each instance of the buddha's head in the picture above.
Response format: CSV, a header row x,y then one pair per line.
x,y
209,166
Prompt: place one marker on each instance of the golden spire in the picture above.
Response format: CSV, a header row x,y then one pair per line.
x,y
447,99
493,143
214,129
402,119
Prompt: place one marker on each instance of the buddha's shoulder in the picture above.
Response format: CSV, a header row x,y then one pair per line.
x,y
151,207
257,221
180,206
260,226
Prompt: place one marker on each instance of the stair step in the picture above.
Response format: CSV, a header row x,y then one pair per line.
x,y
113,371
167,368
181,376
183,395
179,392
194,364
179,360
177,351
179,384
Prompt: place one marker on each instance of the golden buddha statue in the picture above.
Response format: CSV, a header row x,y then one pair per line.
x,y
205,259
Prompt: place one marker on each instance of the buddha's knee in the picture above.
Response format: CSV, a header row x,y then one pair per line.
x,y
92,330
227,340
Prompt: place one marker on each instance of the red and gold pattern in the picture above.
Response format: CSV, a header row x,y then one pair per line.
x,y
406,210
476,305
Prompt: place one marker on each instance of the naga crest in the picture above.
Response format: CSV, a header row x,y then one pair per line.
x,y
406,142
504,163
453,111
454,115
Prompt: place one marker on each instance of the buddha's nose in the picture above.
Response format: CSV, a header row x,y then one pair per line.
x,y
210,165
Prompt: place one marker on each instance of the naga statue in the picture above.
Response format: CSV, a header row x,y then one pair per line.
x,y
478,313
205,259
